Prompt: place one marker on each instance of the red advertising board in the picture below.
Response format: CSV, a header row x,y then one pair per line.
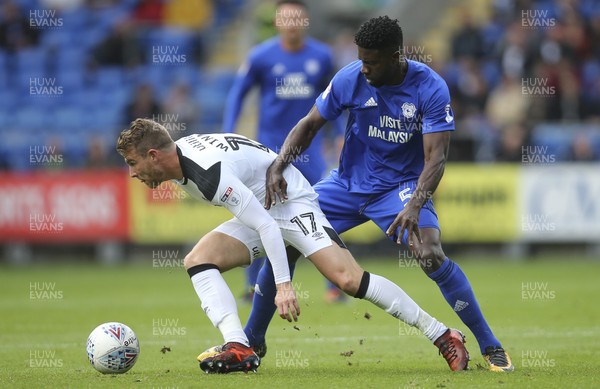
x,y
68,206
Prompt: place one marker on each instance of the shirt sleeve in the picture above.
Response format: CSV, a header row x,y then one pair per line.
x,y
247,76
241,201
329,103
437,112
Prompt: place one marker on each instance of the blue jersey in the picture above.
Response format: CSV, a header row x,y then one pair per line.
x,y
289,83
384,134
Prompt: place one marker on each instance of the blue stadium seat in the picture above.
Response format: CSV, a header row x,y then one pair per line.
x,y
58,38
69,119
71,58
109,77
32,60
7,119
8,100
554,138
30,118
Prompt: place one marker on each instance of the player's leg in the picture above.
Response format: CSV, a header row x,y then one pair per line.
x,y
451,280
218,252
337,264
312,166
342,215
251,273
457,291
263,303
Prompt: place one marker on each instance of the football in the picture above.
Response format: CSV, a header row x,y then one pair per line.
x,y
112,348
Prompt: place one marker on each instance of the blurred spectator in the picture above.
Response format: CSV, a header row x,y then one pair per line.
x,y
188,14
148,13
344,49
98,156
471,88
507,104
468,41
120,48
181,107
143,105
581,149
513,51
15,30
100,4
512,139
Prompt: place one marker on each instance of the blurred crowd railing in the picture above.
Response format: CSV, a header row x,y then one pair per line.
x,y
476,204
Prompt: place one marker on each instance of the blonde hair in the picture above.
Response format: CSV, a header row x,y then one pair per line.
x,y
143,135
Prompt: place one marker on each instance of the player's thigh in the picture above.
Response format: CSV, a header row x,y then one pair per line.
x,y
339,266
342,209
384,209
311,233
230,245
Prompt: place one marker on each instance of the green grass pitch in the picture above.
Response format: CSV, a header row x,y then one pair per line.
x,y
546,313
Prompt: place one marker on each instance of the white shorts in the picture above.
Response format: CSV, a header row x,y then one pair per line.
x,y
303,226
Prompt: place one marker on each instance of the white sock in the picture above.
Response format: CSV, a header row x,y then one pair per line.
x,y
219,304
391,298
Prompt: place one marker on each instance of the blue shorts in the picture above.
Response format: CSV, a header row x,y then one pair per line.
x,y
346,210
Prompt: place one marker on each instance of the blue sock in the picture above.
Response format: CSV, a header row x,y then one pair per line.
x,y
458,293
263,304
252,272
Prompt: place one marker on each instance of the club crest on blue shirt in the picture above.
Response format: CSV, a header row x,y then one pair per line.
x,y
449,116
408,110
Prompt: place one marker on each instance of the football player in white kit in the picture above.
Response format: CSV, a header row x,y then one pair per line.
x,y
229,170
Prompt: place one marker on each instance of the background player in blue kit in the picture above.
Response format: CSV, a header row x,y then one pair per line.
x,y
394,155
291,70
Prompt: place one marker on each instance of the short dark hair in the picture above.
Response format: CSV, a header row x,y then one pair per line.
x,y
379,33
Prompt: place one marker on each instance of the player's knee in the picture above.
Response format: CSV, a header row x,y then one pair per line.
x,y
431,257
190,260
347,282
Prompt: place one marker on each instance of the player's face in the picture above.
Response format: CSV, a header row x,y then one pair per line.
x,y
378,66
291,22
146,168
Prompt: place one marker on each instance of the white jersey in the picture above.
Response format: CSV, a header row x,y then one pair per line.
x,y
229,170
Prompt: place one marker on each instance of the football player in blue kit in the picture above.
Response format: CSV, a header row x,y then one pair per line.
x,y
229,171
393,158
291,70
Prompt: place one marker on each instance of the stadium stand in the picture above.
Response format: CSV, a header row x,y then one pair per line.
x,y
71,72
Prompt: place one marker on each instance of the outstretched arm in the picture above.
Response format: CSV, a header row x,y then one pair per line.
x,y
245,79
296,142
248,209
435,147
